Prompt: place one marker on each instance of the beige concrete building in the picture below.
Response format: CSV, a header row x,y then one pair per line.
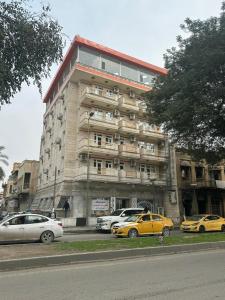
x,y
201,187
97,149
21,186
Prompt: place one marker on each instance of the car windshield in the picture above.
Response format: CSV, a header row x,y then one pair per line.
x,y
194,218
131,218
116,212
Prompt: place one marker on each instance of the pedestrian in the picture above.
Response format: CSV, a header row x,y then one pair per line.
x,y
53,214
66,207
146,210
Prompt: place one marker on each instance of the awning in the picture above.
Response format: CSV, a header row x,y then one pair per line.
x,y
185,163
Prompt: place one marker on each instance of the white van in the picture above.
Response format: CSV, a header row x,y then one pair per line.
x,y
119,215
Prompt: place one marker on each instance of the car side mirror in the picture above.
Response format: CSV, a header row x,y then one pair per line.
x,y
6,224
140,221
123,215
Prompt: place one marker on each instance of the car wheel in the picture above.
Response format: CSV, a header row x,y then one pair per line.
x,y
132,233
166,232
201,229
47,237
223,228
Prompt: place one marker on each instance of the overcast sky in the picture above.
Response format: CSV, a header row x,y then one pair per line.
x,y
141,28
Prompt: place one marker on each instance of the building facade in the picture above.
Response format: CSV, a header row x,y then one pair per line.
x,y
98,150
21,186
201,187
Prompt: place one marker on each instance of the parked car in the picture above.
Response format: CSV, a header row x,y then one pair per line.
x,y
202,223
143,224
27,226
119,215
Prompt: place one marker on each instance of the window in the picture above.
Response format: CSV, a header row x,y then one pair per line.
x,y
122,140
98,114
98,139
156,218
146,218
142,168
121,166
17,221
109,115
110,93
150,147
35,219
98,165
89,57
108,164
109,139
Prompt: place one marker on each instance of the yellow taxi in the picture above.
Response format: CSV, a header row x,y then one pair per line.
x,y
202,223
143,224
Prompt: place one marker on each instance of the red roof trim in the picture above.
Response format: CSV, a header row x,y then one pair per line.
x,y
81,41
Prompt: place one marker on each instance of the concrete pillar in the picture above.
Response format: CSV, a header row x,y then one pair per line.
x,y
194,203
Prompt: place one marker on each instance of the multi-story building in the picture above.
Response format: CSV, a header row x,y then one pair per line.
x,y
201,187
98,149
21,185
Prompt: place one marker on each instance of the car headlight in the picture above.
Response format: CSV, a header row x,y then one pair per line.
x,y
193,224
106,220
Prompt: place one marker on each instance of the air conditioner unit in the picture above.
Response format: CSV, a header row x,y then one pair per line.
x,y
83,157
47,150
132,94
116,136
115,89
49,129
45,171
116,113
132,116
61,97
41,157
116,161
58,141
133,139
133,163
60,116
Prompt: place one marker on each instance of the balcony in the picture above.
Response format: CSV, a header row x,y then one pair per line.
x,y
103,98
105,149
151,135
128,127
142,109
198,184
130,151
95,174
98,122
158,179
158,156
128,104
129,176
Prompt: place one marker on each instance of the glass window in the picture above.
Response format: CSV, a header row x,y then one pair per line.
x,y
17,220
121,166
109,115
129,71
89,57
35,219
98,139
150,147
110,65
146,218
108,164
142,168
156,218
109,139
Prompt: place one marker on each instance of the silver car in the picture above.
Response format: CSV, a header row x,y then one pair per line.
x,y
29,226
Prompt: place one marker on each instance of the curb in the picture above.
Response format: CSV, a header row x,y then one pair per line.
x,y
88,257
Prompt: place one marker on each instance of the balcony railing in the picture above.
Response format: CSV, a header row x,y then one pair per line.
x,y
153,135
98,122
129,127
131,151
158,156
102,149
153,179
95,174
128,104
199,183
129,176
93,96
142,108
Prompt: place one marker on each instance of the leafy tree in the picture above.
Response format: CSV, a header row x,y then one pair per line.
x,y
29,44
190,101
4,160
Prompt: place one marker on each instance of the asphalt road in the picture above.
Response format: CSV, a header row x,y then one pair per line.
x,y
181,276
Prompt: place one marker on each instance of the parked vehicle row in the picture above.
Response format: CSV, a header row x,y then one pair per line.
x,y
27,226
133,222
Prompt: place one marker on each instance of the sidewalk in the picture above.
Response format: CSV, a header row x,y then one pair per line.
x,y
79,229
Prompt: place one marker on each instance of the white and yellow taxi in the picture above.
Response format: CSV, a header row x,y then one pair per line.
x,y
202,223
143,224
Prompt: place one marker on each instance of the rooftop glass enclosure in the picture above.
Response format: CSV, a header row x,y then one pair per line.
x,y
113,66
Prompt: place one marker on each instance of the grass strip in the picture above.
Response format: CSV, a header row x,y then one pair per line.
x,y
141,242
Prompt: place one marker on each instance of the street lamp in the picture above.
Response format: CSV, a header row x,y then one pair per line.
x,y
90,114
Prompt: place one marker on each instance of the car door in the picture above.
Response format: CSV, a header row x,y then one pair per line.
x,y
12,229
157,223
216,223
34,226
145,225
209,223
